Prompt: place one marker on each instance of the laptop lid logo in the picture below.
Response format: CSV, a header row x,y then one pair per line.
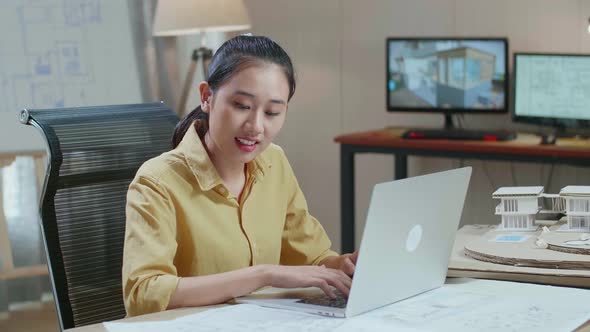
x,y
414,238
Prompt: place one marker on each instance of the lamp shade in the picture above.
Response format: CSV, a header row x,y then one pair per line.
x,y
184,17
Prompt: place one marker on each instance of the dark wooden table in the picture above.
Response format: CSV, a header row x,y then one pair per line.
x,y
525,148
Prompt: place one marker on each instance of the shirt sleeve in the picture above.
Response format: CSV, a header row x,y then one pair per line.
x,y
304,241
149,274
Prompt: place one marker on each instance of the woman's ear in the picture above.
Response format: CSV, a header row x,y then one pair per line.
x,y
205,96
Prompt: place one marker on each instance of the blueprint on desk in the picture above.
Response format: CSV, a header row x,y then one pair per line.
x,y
56,53
460,305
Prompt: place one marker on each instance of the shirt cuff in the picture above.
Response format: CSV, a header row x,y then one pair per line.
x,y
156,295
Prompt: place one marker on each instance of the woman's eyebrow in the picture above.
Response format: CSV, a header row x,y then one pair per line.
x,y
278,101
244,93
250,95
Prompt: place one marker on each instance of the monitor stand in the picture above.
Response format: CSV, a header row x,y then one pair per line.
x,y
451,132
549,139
556,132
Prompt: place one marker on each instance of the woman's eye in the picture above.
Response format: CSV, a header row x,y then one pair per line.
x,y
241,106
270,113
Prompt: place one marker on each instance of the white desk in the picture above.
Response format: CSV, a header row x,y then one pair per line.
x,y
169,315
464,267
159,316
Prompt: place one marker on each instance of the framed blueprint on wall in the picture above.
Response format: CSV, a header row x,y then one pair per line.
x,y
61,53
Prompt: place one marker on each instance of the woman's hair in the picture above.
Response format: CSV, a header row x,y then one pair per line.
x,y
233,56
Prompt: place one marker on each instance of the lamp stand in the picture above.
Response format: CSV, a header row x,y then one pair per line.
x,y
204,54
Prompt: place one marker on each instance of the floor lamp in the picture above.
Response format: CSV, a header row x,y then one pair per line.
x,y
187,17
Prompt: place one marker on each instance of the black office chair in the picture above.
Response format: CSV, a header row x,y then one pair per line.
x,y
94,153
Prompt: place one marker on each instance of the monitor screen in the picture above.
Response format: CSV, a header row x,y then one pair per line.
x,y
552,89
447,74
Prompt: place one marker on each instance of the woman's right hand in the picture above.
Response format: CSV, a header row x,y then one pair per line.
x,y
283,276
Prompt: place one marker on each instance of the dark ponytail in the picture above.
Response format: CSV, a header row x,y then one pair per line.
x,y
233,56
201,123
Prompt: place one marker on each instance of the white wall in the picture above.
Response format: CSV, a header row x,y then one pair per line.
x,y
338,47
309,31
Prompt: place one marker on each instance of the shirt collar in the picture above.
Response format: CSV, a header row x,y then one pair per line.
x,y
202,167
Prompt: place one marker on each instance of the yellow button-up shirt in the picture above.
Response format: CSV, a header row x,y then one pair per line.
x,y
182,221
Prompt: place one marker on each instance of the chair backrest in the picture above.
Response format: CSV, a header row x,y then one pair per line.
x,y
94,153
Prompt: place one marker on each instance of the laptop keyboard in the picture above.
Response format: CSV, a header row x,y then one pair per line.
x,y
324,300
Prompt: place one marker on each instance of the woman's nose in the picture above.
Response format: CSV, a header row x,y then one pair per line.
x,y
256,122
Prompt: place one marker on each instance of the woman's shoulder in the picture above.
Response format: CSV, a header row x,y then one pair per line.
x,y
274,154
275,157
161,166
274,148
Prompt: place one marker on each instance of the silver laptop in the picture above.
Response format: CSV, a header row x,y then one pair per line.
x,y
405,249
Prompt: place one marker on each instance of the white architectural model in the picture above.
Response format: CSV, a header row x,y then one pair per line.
x,y
520,205
577,207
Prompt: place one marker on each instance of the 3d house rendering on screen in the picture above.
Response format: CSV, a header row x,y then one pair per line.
x,y
519,207
451,73
442,78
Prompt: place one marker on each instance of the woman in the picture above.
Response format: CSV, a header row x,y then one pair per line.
x,y
221,215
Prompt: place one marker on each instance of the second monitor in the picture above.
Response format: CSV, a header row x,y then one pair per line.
x,y
552,90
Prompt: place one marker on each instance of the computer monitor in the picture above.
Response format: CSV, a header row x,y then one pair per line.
x,y
552,90
447,75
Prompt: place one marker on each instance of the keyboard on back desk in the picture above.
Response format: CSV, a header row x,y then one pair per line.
x,y
461,134
325,300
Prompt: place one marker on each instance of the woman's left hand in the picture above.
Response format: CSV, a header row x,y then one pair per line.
x,y
346,263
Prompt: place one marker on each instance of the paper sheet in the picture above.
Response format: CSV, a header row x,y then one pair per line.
x,y
483,305
241,317
460,305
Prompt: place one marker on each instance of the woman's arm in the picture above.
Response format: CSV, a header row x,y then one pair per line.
x,y
219,288
304,239
149,275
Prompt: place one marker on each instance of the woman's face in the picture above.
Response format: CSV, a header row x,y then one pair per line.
x,y
246,113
